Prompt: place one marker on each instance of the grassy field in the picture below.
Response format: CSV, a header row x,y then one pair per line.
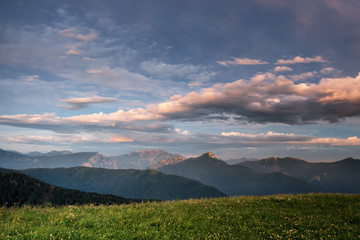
x,y
314,216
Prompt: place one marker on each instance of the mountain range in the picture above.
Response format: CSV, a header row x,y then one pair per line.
x,y
55,159
235,179
170,176
130,183
341,176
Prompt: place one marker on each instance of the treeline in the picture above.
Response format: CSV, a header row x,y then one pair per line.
x,y
18,189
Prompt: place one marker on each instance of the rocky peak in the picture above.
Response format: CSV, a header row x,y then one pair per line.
x,y
209,155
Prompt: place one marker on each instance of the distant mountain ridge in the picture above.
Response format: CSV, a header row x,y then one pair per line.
x,y
55,159
141,159
233,179
340,176
130,183
49,154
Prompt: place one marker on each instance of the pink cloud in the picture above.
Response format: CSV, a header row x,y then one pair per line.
x,y
299,59
73,34
104,71
283,69
264,98
119,139
339,90
350,141
269,98
303,76
289,138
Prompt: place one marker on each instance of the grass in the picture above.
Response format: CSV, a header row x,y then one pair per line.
x,y
312,216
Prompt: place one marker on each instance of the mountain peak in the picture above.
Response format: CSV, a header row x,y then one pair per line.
x,y
209,154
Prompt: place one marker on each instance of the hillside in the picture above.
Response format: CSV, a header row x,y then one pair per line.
x,y
233,179
140,184
18,189
271,217
56,159
165,162
341,176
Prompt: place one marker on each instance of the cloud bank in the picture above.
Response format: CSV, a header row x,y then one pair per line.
x,y
298,59
268,99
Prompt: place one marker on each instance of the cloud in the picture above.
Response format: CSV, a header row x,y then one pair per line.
x,y
31,45
289,138
189,71
269,137
242,61
195,84
274,99
68,139
327,70
88,59
104,71
73,50
303,76
283,69
266,98
350,141
348,9
137,120
299,59
115,78
268,134
80,103
119,139
185,132
32,78
73,34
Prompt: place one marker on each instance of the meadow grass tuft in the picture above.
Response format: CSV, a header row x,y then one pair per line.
x,y
311,216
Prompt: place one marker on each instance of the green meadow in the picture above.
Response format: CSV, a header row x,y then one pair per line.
x,y
311,216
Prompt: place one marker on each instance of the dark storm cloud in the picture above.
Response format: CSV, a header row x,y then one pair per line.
x,y
269,99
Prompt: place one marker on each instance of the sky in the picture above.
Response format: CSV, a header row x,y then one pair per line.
x,y
245,78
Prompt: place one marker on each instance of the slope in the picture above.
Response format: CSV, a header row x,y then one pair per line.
x,y
233,179
141,184
19,189
341,176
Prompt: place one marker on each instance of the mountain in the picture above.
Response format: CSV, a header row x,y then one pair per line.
x,y
139,184
166,162
50,154
66,159
53,159
14,160
234,179
341,176
141,159
19,189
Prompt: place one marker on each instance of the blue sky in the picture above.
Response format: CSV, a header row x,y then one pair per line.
x,y
239,78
